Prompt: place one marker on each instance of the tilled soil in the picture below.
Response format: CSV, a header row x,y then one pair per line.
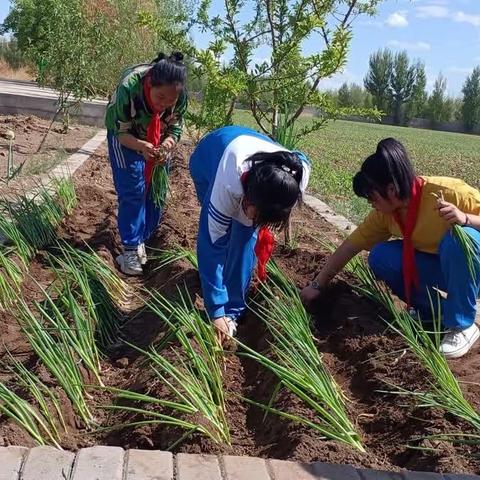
x,y
38,146
360,352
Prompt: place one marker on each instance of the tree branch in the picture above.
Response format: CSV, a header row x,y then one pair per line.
x,y
349,12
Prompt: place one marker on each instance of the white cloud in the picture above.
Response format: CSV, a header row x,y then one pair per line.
x,y
409,45
337,80
397,20
438,10
435,11
467,18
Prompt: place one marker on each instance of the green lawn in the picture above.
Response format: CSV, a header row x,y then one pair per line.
x,y
338,150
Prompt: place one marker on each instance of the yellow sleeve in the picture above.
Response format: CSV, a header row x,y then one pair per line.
x,y
374,229
465,197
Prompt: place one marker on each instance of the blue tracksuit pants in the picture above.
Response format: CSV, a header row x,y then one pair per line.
x,y
138,217
447,271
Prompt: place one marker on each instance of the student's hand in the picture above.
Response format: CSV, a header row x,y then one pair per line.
x,y
450,213
169,143
309,295
160,156
147,150
222,329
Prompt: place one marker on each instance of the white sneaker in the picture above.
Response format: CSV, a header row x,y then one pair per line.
x,y
130,263
456,343
142,253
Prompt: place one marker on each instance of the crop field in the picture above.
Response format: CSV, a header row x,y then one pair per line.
x,y
339,149
90,357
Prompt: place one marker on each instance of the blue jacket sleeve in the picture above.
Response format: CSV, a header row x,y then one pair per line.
x,y
212,247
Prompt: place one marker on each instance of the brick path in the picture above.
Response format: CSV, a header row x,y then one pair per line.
x,y
114,463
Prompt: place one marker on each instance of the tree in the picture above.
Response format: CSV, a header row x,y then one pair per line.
x,y
10,54
402,82
437,108
471,100
81,46
352,95
344,98
416,106
357,96
288,79
377,80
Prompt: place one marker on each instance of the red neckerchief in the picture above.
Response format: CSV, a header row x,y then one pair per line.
x,y
410,273
264,245
153,129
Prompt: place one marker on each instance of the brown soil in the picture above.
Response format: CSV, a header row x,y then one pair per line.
x,y
29,133
362,355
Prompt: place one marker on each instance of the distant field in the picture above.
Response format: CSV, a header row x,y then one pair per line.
x,y
339,149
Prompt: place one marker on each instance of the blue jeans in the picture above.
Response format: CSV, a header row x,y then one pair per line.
x,y
138,217
447,271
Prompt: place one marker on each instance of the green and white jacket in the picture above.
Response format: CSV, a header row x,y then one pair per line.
x,y
128,112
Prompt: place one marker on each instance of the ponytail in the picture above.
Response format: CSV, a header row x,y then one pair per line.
x,y
390,164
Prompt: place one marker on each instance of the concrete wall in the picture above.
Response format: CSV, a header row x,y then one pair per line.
x,y
89,113
455,127
26,98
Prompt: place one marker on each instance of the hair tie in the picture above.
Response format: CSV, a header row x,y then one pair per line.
x,y
288,169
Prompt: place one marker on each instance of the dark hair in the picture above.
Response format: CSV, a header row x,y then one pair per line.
x,y
169,70
389,164
272,185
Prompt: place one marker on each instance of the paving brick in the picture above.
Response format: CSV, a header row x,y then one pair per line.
x,y
379,475
283,470
245,468
99,463
149,465
197,467
11,461
422,476
460,476
47,463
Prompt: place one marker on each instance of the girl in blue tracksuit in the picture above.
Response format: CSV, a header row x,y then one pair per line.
x,y
244,181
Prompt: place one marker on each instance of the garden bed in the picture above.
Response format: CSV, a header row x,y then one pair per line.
x,y
37,158
358,350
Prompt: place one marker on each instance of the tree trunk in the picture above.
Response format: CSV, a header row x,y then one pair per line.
x,y
275,122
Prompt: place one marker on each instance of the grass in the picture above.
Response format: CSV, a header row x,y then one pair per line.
x,y
339,149
44,162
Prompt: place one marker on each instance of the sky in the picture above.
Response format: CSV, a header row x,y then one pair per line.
x,y
445,34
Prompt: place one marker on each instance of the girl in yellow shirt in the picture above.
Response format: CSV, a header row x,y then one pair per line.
x,y
426,255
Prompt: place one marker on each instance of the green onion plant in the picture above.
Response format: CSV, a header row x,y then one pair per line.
x,y
58,355
194,379
298,364
174,254
47,401
159,185
25,415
